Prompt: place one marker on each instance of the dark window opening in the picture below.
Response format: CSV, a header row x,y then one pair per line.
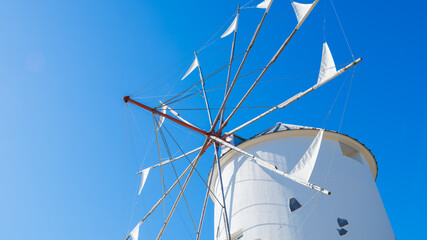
x,y
351,152
342,231
294,204
342,222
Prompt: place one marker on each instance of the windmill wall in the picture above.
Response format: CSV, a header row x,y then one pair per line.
x,y
264,205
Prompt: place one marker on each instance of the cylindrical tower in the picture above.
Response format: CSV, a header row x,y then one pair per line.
x,y
263,205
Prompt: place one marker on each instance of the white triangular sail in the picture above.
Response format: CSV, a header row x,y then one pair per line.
x,y
192,67
231,28
135,232
144,175
327,66
302,171
265,4
162,119
301,10
174,113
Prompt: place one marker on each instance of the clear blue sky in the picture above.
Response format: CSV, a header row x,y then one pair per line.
x,y
65,65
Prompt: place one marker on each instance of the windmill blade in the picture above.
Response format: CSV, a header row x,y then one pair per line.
x,y
192,166
295,97
273,60
223,104
233,44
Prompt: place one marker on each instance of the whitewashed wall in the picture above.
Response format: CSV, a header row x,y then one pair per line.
x,y
258,199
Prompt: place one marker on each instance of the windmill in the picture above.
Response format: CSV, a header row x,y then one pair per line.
x,y
269,186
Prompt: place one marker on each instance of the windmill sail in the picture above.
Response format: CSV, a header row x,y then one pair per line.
x,y
192,67
327,66
302,171
144,175
231,28
266,4
135,232
162,119
301,10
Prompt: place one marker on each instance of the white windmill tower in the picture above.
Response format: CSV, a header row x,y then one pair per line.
x,y
287,182
262,204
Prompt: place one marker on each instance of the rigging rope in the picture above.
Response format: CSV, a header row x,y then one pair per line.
x,y
333,156
190,95
222,84
206,45
324,21
132,148
339,129
342,29
195,169
176,63
335,100
182,220
161,83
150,142
179,109
246,4
165,144
161,167
170,101
213,35
292,216
124,176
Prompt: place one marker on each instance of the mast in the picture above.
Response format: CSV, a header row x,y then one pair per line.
x,y
231,62
225,216
187,125
205,203
196,161
216,157
222,108
295,97
203,89
269,64
192,166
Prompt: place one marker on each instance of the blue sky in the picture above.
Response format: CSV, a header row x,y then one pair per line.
x,y
65,65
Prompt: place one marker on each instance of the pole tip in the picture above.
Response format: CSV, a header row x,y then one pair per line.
x,y
126,99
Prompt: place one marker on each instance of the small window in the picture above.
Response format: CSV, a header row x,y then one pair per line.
x,y
342,222
342,231
294,204
351,152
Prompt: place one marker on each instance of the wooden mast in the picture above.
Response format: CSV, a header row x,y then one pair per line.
x,y
268,65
